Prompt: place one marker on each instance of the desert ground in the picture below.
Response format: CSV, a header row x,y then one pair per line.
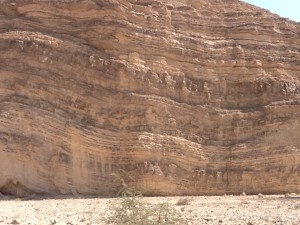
x,y
85,210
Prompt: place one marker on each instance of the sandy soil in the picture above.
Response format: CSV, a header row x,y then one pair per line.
x,y
235,210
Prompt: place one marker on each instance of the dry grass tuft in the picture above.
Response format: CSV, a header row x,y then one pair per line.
x,y
184,201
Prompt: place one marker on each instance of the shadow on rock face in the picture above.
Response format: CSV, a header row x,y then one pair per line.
x,y
16,189
9,10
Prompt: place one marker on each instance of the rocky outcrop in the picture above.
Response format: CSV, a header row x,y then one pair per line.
x,y
170,97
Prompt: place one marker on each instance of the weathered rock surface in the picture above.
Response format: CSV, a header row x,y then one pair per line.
x,y
173,97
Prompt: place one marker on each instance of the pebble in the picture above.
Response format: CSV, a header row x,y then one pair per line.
x,y
260,195
53,222
14,222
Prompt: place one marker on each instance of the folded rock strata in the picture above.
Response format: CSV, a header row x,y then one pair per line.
x,y
178,97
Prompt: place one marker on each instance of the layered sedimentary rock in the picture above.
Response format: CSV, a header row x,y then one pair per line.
x,y
167,97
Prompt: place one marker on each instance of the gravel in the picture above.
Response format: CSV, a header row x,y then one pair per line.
x,y
219,210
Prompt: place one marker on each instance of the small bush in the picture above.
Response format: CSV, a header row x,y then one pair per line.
x,y
133,210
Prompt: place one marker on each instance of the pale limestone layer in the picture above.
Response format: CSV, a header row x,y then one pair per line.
x,y
174,97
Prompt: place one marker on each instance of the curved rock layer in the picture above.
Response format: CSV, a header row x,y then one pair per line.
x,y
169,97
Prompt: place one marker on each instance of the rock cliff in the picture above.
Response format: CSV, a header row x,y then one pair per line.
x,y
171,97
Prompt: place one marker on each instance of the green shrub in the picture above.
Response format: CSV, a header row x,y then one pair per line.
x,y
133,210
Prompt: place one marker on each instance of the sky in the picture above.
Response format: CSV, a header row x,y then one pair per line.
x,y
285,8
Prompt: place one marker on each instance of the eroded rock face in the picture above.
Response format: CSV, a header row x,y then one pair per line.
x,y
173,97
